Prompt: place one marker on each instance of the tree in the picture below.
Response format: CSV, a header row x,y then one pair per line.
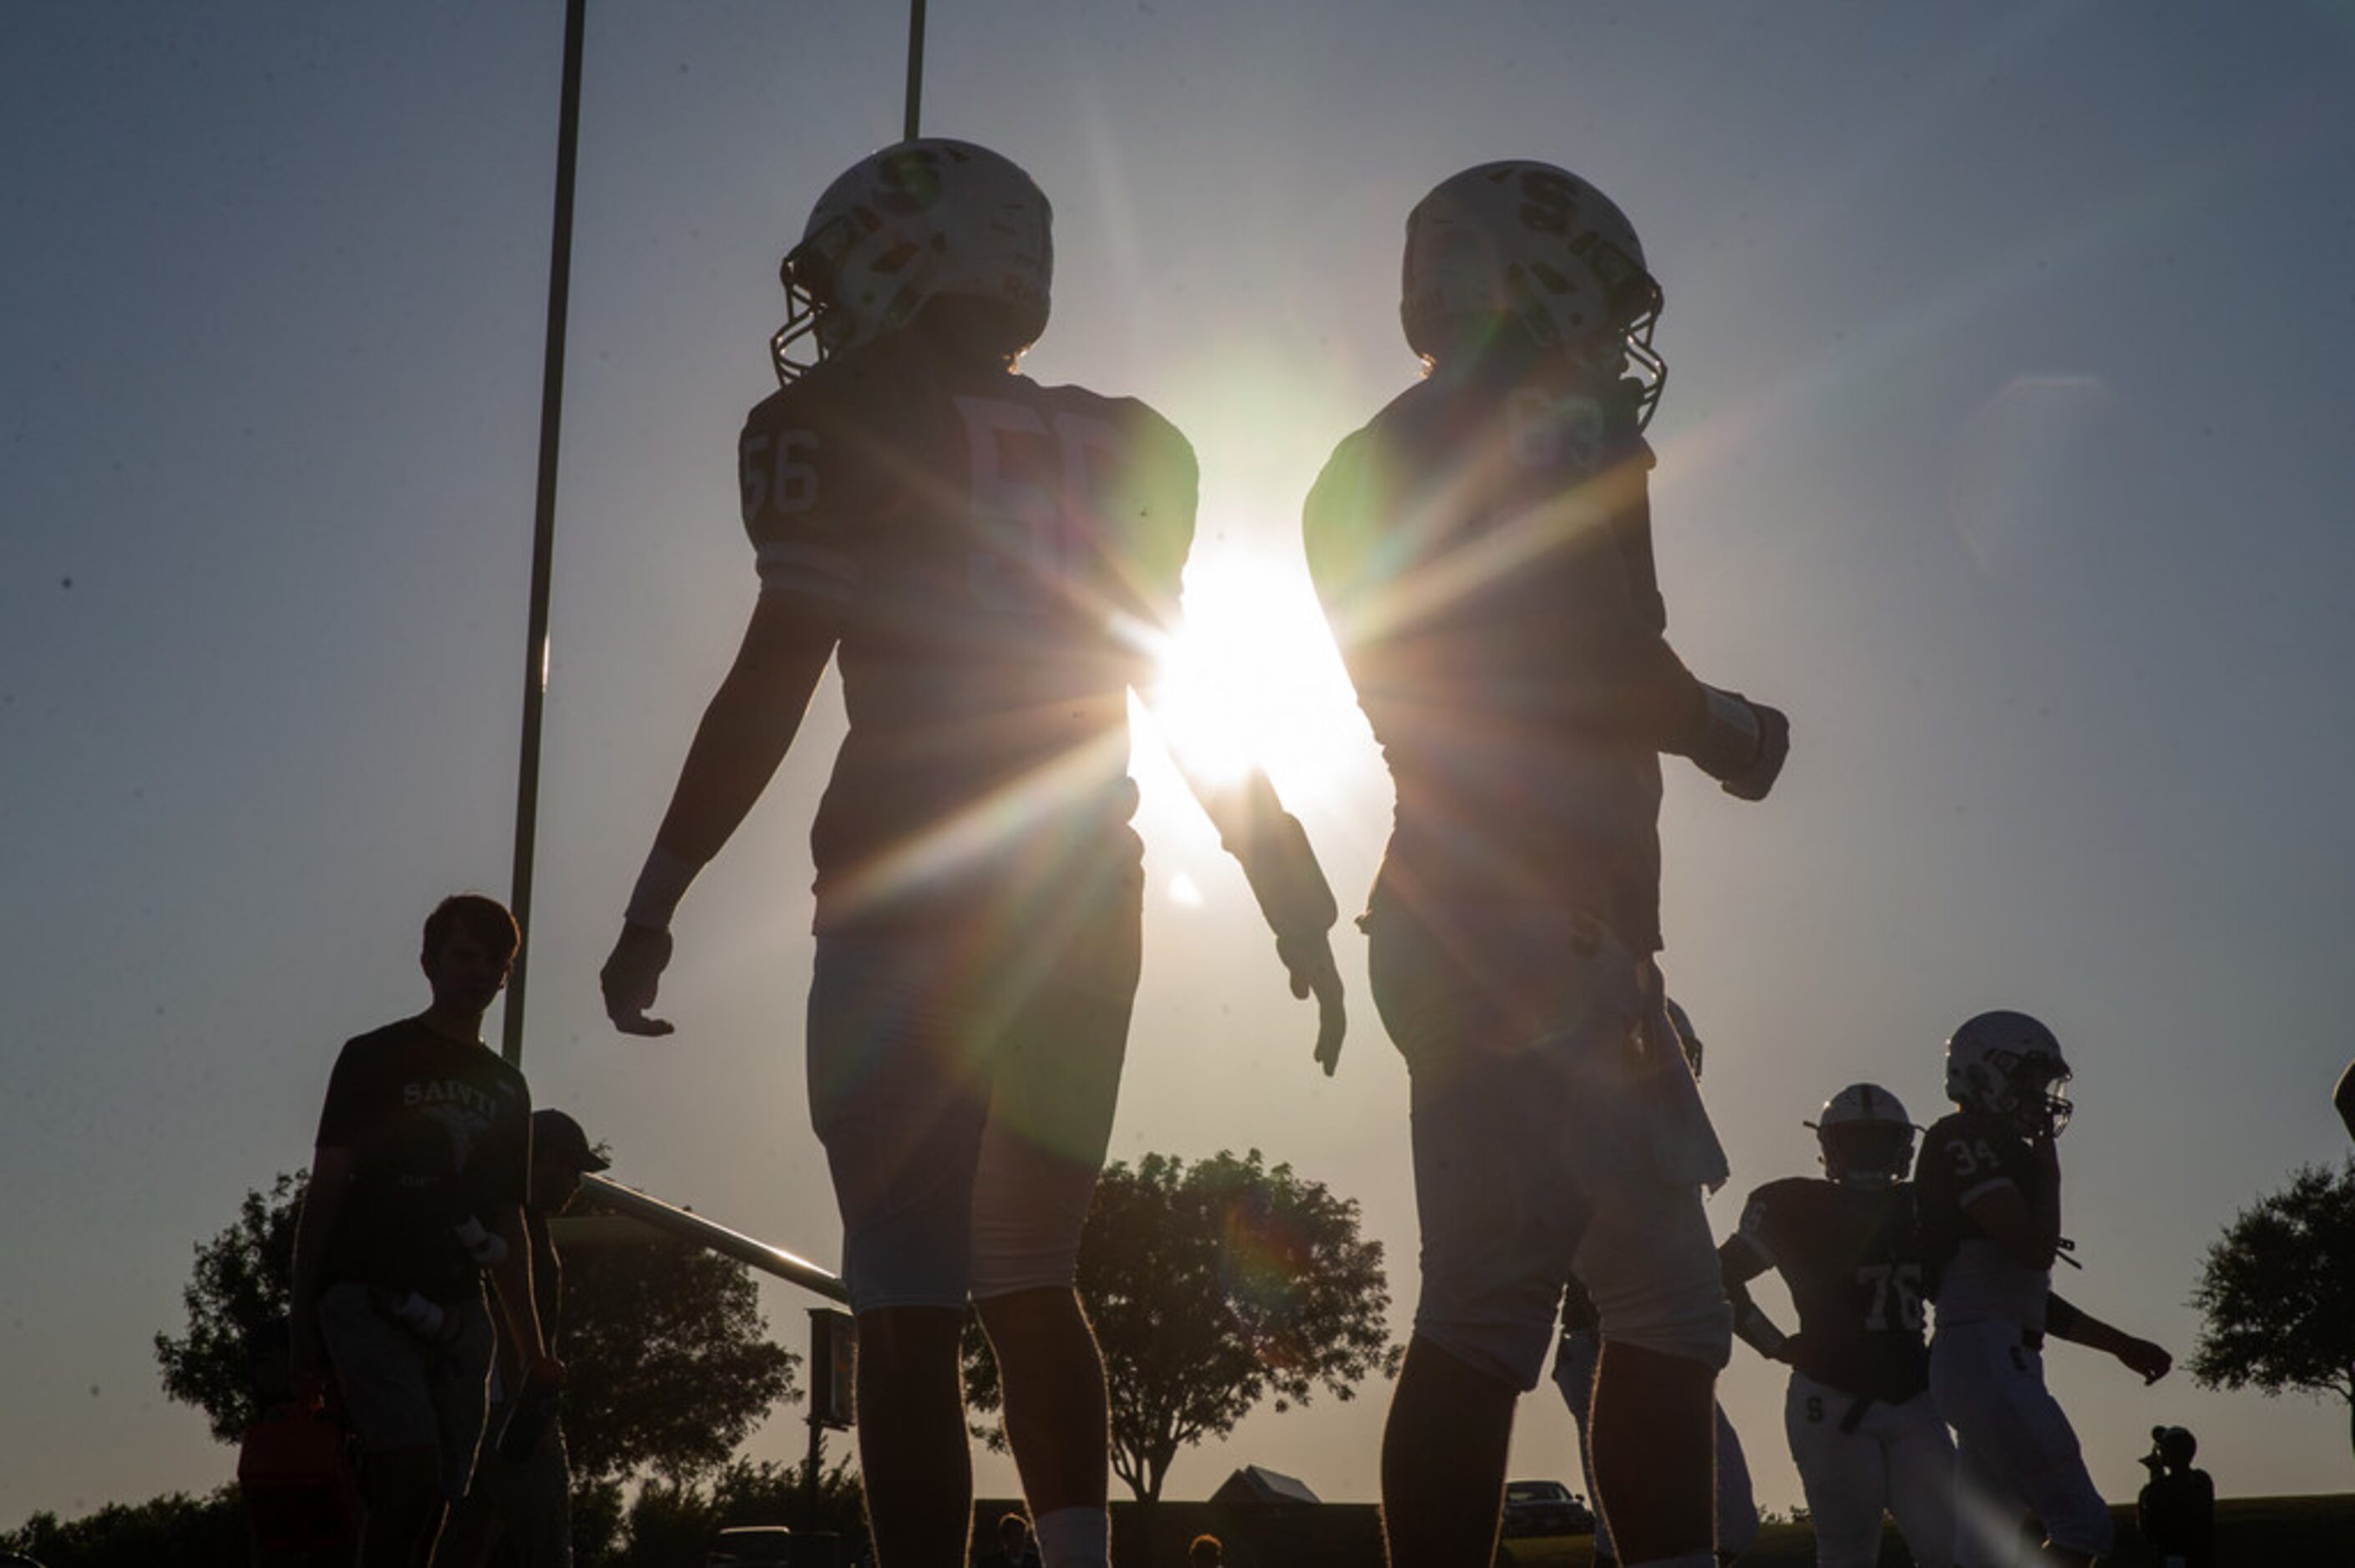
x,y
1214,1287
2278,1294
669,1360
185,1532
237,1305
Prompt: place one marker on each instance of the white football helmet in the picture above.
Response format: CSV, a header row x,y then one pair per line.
x,y
1533,245
2008,1065
919,221
1866,1137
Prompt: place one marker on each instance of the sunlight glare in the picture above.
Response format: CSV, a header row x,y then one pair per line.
x,y
1253,678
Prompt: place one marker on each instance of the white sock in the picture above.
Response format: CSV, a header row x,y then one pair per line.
x,y
1079,1538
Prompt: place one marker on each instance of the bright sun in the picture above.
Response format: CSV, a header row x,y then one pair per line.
x,y
1254,678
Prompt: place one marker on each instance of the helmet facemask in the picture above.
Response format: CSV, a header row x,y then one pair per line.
x,y
1866,1138
1867,1154
2038,1102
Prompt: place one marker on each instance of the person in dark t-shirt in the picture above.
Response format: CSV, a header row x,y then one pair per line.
x,y
417,1188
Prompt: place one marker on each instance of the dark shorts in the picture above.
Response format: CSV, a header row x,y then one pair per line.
x,y
403,1392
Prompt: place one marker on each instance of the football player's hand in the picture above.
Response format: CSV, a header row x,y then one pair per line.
x,y
2151,1361
1309,961
1752,782
1788,1352
632,976
1739,742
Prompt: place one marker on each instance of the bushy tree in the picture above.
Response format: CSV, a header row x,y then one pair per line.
x,y
668,1361
2276,1294
179,1530
1214,1287
236,1304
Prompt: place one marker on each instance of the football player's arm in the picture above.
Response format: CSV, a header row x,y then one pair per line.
x,y
745,730
1646,693
2064,1320
2029,1233
1266,840
1740,1261
1293,897
1739,742
323,1204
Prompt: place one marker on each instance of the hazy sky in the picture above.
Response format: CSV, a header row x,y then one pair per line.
x,y
2006,445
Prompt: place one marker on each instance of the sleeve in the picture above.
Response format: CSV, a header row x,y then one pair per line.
x,y
343,1114
1756,1229
1335,532
1960,1164
805,484
1158,494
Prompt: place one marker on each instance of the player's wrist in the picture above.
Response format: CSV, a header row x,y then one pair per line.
x,y
1726,734
662,882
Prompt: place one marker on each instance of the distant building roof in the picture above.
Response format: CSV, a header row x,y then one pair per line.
x,y
1253,1484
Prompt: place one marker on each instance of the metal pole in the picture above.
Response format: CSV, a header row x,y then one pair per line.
x,y
915,63
714,1236
543,530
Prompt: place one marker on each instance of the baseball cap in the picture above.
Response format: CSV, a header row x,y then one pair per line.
x,y
555,1136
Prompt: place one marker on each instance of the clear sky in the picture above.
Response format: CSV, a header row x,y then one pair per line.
x,y
2006,445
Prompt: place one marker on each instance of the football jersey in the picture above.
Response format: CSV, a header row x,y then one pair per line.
x,y
1483,549
1853,1259
997,559
1964,1157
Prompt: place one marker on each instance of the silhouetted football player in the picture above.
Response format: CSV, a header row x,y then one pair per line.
x,y
992,563
1483,551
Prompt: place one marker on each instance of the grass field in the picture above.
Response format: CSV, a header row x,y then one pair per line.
x,y
2251,1533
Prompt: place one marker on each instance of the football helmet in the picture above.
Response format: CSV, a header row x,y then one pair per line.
x,y
1535,245
919,221
2008,1065
1866,1137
